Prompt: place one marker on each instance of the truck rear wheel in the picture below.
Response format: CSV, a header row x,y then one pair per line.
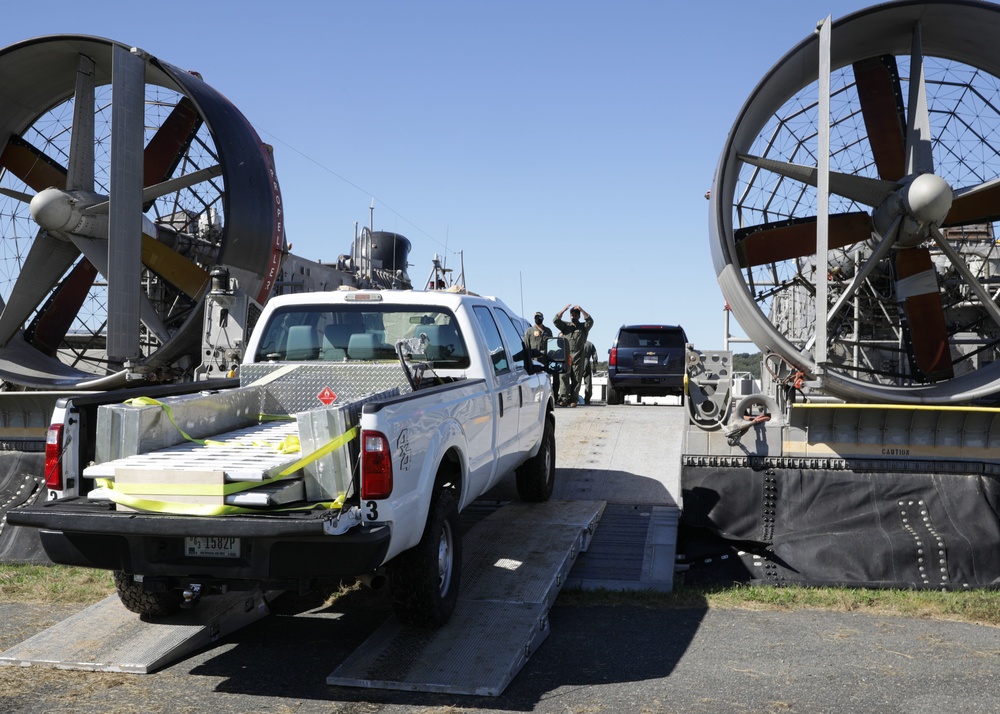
x,y
135,599
537,475
614,396
424,579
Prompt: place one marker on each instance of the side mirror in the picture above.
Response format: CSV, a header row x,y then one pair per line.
x,y
555,359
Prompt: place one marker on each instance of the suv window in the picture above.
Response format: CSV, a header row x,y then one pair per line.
x,y
652,338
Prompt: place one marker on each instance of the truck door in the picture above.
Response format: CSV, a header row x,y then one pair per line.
x,y
506,399
531,393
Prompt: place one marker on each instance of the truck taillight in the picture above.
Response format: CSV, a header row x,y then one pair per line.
x,y
376,466
613,359
53,457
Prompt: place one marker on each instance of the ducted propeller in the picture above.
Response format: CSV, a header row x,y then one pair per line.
x,y
906,189
126,230
914,191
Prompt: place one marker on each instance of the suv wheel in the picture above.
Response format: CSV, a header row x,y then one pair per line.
x,y
614,395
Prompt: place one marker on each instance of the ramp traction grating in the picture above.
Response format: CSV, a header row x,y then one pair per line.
x,y
516,561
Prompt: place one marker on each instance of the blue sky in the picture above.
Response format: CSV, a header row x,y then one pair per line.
x,y
563,147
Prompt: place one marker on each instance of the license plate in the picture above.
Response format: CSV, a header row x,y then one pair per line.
x,y
651,359
212,547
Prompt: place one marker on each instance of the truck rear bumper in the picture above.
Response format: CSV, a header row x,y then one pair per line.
x,y
272,548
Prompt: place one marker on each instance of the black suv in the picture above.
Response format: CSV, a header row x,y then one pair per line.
x,y
648,361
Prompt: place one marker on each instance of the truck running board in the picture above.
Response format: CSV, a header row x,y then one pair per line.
x,y
515,562
131,644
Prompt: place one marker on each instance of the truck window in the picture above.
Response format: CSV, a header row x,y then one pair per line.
x,y
494,345
513,335
369,332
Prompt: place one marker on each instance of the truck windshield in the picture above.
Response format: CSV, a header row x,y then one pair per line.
x,y
369,332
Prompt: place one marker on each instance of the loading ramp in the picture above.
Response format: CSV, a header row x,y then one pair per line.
x,y
515,562
106,637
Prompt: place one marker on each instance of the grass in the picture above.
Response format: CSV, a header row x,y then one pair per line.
x,y
39,584
975,606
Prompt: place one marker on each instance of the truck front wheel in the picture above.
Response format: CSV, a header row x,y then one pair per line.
x,y
537,475
135,599
424,579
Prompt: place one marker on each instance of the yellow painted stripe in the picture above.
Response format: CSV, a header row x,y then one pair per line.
x,y
899,407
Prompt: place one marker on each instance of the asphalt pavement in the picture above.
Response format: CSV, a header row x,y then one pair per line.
x,y
595,659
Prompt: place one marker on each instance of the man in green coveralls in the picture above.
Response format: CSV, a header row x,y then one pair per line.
x,y
576,333
535,339
537,334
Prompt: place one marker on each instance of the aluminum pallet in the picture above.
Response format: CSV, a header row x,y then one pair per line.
x,y
515,562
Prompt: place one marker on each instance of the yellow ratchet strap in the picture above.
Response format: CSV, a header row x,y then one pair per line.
x,y
282,447
203,509
150,402
119,493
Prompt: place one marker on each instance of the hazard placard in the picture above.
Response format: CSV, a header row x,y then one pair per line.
x,y
327,396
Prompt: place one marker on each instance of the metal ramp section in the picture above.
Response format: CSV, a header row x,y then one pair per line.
x,y
106,637
635,549
515,562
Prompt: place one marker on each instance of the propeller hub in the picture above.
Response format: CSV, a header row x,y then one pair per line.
x,y
928,199
64,212
52,210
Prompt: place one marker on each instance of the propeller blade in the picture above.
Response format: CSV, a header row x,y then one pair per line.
x,y
774,242
96,252
184,274
976,204
917,290
47,330
876,81
34,168
153,192
47,260
885,244
985,299
16,195
80,172
188,277
128,84
164,151
919,157
861,189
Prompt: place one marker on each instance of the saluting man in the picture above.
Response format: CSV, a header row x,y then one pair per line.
x,y
576,334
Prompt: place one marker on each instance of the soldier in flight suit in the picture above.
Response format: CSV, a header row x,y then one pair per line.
x,y
537,334
534,339
576,333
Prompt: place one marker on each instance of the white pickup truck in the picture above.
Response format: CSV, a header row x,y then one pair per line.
x,y
363,423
